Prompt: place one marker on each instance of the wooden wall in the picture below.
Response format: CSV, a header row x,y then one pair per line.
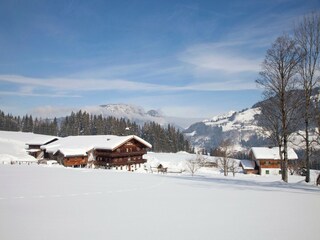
x,y
75,161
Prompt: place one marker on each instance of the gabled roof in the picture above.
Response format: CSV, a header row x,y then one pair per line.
x,y
248,164
79,145
41,140
271,153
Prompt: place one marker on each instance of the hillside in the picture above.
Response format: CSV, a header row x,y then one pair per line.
x,y
244,128
241,127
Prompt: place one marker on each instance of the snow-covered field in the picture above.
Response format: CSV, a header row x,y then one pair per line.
x,y
53,202
39,202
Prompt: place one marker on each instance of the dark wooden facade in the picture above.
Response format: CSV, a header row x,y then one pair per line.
x,y
71,161
129,154
265,163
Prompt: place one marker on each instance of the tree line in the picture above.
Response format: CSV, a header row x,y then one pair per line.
x,y
163,139
293,63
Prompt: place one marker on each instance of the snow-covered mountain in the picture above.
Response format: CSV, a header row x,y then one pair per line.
x,y
139,115
127,111
241,127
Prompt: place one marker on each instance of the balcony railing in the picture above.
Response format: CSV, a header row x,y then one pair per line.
x,y
121,154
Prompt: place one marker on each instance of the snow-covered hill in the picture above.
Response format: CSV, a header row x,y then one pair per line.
x,y
241,127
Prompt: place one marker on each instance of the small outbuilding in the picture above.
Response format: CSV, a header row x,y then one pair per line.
x,y
249,167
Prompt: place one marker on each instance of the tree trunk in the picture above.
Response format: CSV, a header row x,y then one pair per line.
x,y
307,153
285,158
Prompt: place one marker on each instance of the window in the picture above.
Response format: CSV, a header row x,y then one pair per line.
x,y
267,172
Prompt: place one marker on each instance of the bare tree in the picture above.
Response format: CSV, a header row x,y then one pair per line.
x,y
307,36
278,80
225,163
193,165
233,167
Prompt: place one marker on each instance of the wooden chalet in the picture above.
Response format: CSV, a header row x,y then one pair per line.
x,y
268,159
34,145
105,151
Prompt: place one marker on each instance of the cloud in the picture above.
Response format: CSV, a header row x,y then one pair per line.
x,y
223,86
31,94
52,111
65,87
220,56
85,84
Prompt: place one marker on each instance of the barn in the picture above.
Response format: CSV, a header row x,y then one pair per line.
x,y
102,151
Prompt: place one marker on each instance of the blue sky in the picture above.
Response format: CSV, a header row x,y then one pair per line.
x,y
185,58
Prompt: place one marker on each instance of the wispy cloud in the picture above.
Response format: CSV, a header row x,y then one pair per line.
x,y
31,94
52,111
66,87
84,84
211,58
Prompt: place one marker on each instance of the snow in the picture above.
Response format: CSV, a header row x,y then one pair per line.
x,y
271,153
128,111
26,137
40,202
242,120
13,147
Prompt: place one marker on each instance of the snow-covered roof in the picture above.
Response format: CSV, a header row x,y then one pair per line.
x,y
41,139
67,152
79,145
271,153
247,164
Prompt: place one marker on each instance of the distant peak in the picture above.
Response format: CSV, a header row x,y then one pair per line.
x,y
154,113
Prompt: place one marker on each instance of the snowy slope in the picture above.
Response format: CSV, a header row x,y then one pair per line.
x,y
243,120
38,202
13,145
241,127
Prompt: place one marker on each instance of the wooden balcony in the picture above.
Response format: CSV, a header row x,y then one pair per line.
x,y
121,154
120,163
